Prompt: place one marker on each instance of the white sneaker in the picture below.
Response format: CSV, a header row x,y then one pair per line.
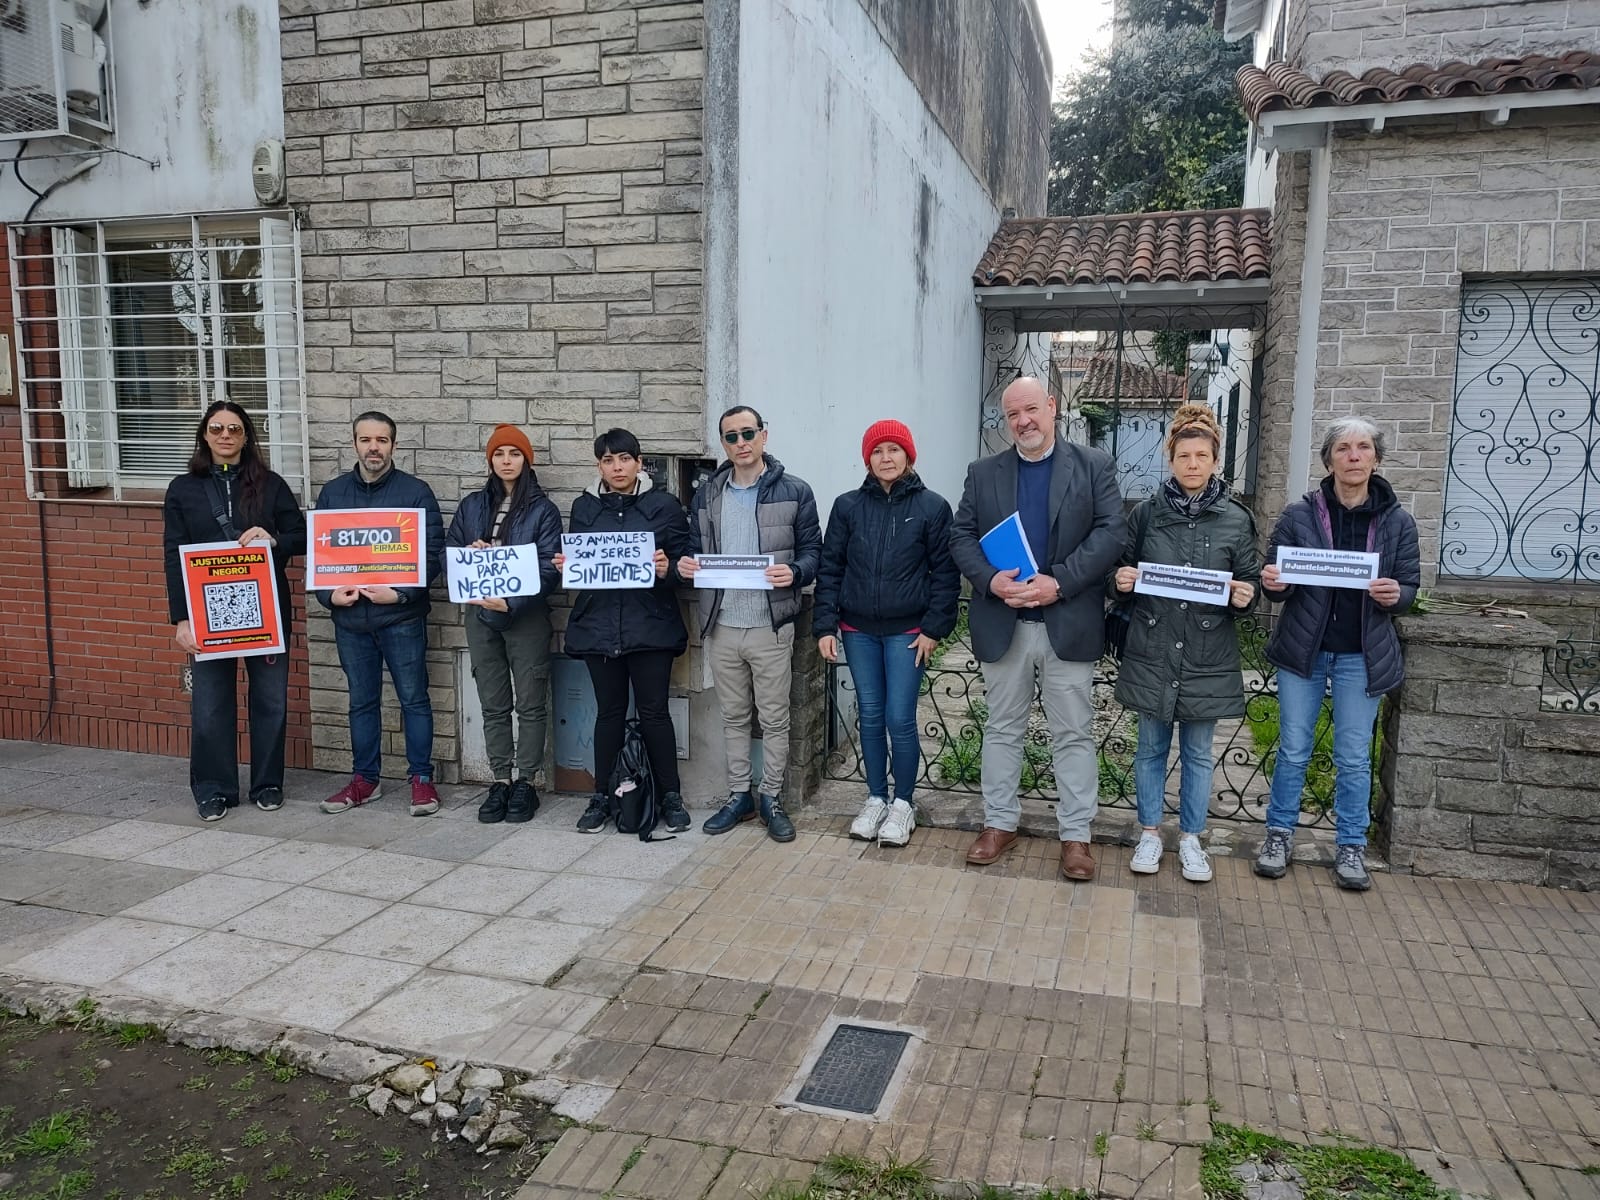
x,y
865,826
1196,865
897,825
1147,854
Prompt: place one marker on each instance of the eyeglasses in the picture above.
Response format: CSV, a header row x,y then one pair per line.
x,y
733,435
218,430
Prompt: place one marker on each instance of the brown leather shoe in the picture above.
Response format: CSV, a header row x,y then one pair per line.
x,y
991,844
1077,863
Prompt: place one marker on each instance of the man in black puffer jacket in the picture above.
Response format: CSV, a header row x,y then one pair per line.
x,y
377,625
1342,636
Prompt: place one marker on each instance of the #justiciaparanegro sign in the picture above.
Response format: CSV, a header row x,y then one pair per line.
x,y
608,560
1183,583
1326,568
492,572
232,595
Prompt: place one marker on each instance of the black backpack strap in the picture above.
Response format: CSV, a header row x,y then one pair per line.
x,y
219,509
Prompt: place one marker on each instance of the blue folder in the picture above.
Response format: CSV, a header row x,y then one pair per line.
x,y
1006,546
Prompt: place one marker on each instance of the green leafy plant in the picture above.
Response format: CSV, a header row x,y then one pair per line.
x,y
1334,1172
59,1133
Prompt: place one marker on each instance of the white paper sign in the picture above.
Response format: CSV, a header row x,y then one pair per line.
x,y
608,560
746,571
1326,568
494,572
1183,583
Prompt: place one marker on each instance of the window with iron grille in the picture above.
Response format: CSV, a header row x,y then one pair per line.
x,y
126,331
1522,487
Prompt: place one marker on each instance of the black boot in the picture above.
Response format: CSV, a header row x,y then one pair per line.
x,y
779,827
493,809
674,813
524,801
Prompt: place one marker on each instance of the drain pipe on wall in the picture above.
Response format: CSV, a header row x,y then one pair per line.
x,y
1305,353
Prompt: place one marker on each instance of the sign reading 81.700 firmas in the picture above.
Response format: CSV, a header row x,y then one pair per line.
x,y
358,547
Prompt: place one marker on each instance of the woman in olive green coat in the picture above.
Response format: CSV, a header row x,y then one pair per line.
x,y
1181,664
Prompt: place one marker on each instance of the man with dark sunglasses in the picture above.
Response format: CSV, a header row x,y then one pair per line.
x,y
751,506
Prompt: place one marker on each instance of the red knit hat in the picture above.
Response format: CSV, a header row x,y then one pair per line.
x,y
887,431
509,435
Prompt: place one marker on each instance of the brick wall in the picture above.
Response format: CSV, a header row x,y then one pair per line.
x,y
502,208
1411,211
1353,35
118,676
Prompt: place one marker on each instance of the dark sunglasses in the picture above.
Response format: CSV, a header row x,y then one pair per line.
x,y
219,430
733,435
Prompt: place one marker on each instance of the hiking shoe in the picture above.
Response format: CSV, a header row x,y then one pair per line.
x,y
493,809
741,806
212,808
1273,861
779,827
424,798
596,815
1147,854
1194,860
524,801
1350,869
674,813
269,799
354,794
872,813
897,824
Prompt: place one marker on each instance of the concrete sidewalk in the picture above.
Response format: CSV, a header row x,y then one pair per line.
x,y
687,981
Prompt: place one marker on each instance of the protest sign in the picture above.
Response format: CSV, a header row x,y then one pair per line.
x,y
1326,568
1183,583
232,595
608,560
494,572
361,547
746,571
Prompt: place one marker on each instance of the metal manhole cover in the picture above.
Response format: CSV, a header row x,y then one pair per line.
x,y
854,1069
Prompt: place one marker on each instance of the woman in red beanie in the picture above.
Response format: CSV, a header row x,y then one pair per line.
x,y
509,639
887,589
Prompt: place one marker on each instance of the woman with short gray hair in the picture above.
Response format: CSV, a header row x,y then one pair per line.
x,y
1338,638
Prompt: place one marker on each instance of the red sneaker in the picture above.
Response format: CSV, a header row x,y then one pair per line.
x,y
352,795
424,799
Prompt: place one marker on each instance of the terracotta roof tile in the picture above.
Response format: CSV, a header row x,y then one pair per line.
x,y
1139,381
1183,247
1278,87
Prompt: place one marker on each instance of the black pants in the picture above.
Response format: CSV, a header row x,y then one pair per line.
x,y
214,725
649,671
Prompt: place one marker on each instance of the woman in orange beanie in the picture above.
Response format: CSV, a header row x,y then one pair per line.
x,y
887,589
509,638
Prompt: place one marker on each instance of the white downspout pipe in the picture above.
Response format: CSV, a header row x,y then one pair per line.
x,y
1302,416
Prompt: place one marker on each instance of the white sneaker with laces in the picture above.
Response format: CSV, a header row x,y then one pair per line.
x,y
897,825
872,813
1196,864
1147,854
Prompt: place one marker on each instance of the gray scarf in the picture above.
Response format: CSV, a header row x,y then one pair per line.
x,y
1193,506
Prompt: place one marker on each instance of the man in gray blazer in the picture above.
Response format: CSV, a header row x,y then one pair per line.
x,y
1051,626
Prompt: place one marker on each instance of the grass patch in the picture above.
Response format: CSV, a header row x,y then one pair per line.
x,y
59,1133
852,1177
1342,1172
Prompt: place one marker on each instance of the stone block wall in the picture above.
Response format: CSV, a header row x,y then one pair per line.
x,y
1353,35
1478,782
501,203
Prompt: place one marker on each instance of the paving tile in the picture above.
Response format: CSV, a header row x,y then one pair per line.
x,y
408,933
583,899
671,1168
513,948
206,901
619,856
383,876
293,862
25,928
207,849
534,848
483,889
208,969
745,1175
589,1159
457,840
106,887
100,952
322,990
47,829
442,1010
123,840
304,916
365,830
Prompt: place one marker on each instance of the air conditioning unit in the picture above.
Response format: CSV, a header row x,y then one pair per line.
x,y
55,69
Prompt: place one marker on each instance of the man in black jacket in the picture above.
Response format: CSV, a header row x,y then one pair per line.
x,y
752,506
376,624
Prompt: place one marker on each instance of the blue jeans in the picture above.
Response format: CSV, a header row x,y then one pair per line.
x,y
214,725
1195,762
887,680
1354,712
363,654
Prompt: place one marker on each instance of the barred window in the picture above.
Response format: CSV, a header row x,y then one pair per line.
x,y
126,331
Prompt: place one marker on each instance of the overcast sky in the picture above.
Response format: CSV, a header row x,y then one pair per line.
x,y
1075,27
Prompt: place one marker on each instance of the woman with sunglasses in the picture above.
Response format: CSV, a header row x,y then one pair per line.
x,y
228,494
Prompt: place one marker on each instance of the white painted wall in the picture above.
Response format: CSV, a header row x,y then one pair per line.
x,y
198,83
859,225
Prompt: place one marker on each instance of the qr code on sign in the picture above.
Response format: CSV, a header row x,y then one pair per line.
x,y
233,606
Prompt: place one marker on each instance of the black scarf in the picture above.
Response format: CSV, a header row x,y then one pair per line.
x,y
1192,506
